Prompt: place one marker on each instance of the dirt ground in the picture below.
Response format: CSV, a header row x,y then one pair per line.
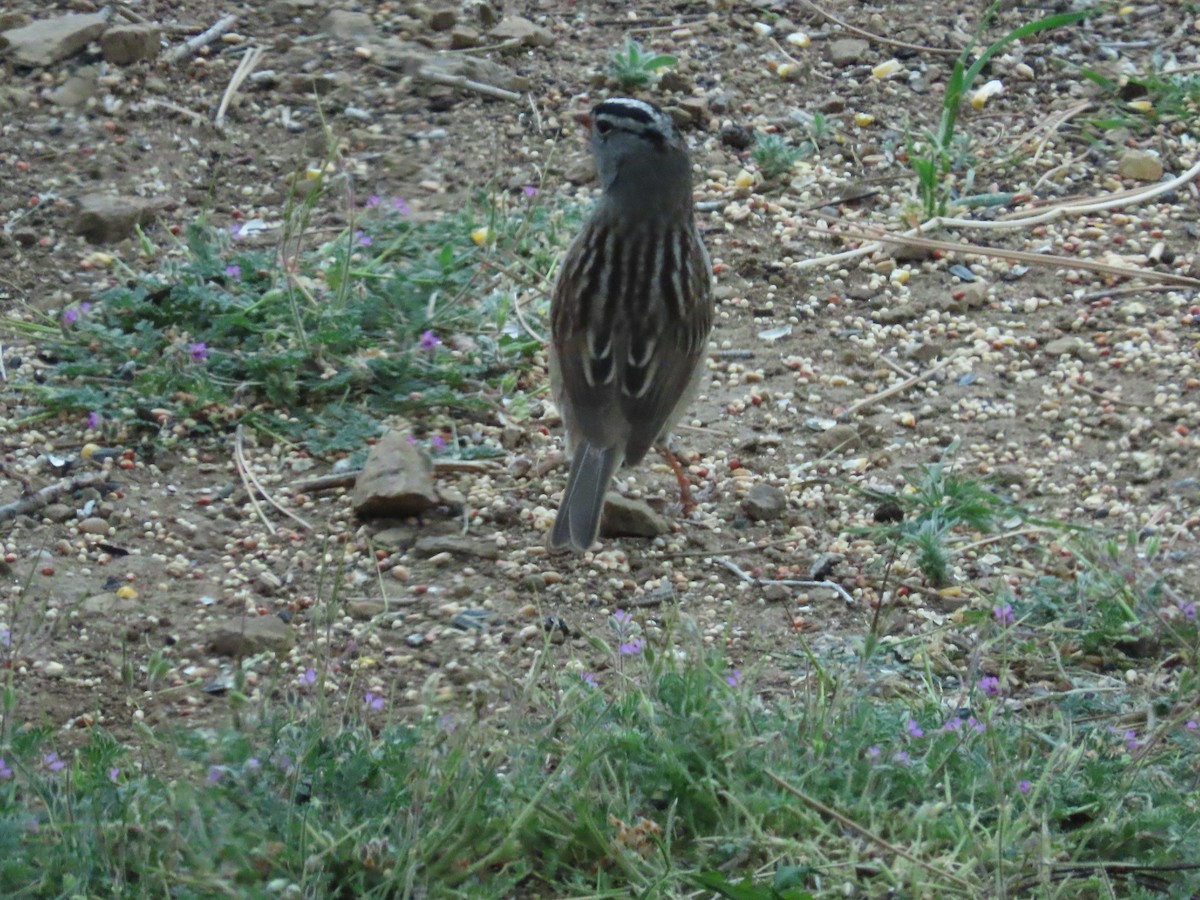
x,y
1071,392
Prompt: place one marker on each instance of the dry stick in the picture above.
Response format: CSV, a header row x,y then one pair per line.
x,y
461,81
175,107
1066,164
262,490
847,822
240,464
49,494
349,479
902,386
787,582
249,63
201,40
1114,201
874,37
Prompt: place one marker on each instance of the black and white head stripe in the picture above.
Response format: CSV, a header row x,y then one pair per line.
x,y
631,115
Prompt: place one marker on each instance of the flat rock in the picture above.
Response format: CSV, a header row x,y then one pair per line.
x,y
107,219
348,25
47,41
94,525
523,32
248,635
365,610
847,51
456,545
125,44
107,603
76,90
1140,165
765,503
1068,345
623,517
397,480
840,438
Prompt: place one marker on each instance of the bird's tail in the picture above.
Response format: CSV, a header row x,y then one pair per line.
x,y
578,519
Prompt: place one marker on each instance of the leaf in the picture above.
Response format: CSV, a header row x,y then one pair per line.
x,y
659,62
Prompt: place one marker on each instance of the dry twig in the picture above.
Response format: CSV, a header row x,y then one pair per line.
x,y
249,63
203,39
50,493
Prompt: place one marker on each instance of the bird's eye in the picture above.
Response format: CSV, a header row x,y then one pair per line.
x,y
603,127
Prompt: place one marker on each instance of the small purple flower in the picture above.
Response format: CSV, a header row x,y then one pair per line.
x,y
253,764
901,758
438,442
70,316
234,272
873,752
401,206
631,647
236,232
990,685
93,421
1192,725
734,678
1024,786
1189,610
954,725
373,701
1004,614
622,617
374,200
975,724
1131,741
114,774
198,351
448,723
589,678
53,763
429,340
529,190
5,771
85,307
309,678
913,729
5,637
214,774
363,238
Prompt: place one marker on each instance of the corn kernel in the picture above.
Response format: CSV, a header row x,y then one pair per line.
x,y
762,29
862,120
980,98
125,592
900,276
787,71
887,69
1141,105
798,39
484,235
743,181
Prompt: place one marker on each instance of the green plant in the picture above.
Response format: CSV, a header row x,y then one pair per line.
x,y
634,68
774,155
934,158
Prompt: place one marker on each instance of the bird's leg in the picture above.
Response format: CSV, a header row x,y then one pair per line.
x,y
685,487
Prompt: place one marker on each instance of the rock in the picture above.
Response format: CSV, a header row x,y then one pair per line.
x,y
267,583
623,517
349,25
765,503
523,32
737,137
364,610
125,44
10,19
776,593
1068,345
458,546
105,219
675,82
581,170
282,11
248,635
442,20
76,90
47,41
847,51
58,512
94,525
839,438
107,603
397,480
463,38
484,11
1140,165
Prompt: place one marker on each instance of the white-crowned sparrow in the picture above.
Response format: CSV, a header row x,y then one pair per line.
x,y
631,312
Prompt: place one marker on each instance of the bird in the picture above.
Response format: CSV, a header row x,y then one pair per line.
x,y
631,311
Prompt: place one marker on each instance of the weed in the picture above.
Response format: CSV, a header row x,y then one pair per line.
x,y
634,68
774,155
942,152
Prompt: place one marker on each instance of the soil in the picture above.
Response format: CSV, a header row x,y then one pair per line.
x,y
1073,393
